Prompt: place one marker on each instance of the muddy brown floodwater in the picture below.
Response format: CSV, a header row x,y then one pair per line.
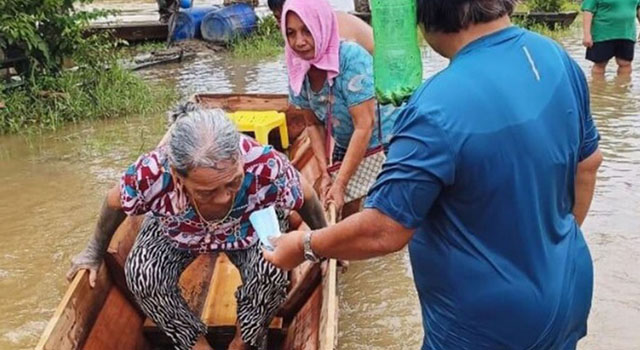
x,y
51,188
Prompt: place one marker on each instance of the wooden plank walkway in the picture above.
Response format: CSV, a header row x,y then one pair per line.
x,y
133,31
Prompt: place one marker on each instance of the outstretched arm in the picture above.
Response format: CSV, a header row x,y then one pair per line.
x,y
367,234
363,116
111,216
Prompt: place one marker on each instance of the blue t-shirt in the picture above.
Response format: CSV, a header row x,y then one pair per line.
x,y
353,86
482,165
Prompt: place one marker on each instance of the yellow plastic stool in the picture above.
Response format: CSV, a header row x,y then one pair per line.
x,y
261,123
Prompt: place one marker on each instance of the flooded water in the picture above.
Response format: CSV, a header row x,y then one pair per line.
x,y
51,188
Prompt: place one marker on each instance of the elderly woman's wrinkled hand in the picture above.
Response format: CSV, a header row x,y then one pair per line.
x,y
85,260
288,250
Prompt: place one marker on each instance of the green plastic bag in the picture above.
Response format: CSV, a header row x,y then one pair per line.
x,y
397,63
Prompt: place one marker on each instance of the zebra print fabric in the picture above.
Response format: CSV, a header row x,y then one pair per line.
x,y
153,269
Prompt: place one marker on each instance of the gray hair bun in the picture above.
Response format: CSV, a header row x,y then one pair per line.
x,y
181,110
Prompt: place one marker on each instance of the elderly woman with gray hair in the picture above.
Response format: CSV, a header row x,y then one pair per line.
x,y
198,190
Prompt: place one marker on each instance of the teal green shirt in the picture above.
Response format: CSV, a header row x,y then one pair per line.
x,y
353,86
612,19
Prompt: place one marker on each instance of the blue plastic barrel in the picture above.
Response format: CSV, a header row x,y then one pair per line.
x,y
185,4
223,25
188,22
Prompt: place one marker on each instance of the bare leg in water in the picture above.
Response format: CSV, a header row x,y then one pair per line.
x,y
599,68
624,66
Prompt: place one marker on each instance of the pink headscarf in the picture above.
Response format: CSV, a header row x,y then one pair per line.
x,y
322,22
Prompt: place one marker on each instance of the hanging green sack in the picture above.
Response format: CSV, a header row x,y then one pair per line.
x,y
397,64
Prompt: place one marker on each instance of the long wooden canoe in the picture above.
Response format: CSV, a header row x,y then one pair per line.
x,y
107,318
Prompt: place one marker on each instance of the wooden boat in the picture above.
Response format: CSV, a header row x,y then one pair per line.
x,y
107,318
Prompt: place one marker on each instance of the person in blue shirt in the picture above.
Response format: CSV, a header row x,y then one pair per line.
x,y
490,173
332,82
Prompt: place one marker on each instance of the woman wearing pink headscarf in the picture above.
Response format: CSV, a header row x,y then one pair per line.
x,y
332,80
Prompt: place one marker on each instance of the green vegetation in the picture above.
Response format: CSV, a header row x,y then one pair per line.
x,y
545,5
570,6
48,34
84,94
548,6
266,41
555,32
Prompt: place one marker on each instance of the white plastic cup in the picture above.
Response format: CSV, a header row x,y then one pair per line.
x,y
265,223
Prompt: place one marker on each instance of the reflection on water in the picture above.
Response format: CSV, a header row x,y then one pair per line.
x,y
51,188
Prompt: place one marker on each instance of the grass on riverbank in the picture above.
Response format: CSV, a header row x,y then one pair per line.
x,y
84,94
566,6
266,41
556,33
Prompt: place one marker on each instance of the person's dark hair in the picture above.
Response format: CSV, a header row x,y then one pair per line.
x,y
276,5
450,16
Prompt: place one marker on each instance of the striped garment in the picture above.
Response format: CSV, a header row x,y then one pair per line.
x,y
153,269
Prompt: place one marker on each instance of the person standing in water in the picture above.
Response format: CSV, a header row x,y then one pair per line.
x,y
609,30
